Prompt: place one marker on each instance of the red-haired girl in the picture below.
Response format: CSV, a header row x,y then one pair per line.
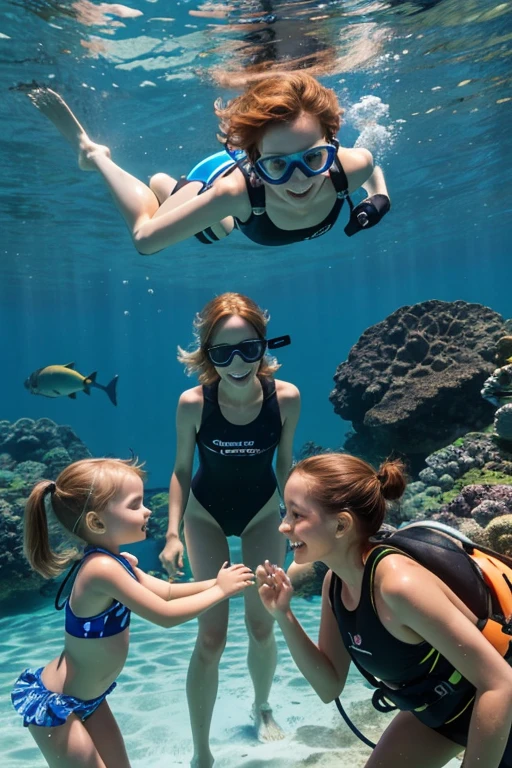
x,y
284,177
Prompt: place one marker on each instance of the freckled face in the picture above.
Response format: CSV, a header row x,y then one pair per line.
x,y
286,139
233,330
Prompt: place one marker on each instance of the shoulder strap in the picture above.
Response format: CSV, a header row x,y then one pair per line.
x,y
73,571
335,584
268,386
120,559
210,401
256,192
339,178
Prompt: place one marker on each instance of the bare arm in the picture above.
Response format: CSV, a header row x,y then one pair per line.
x,y
325,666
225,198
289,403
418,602
168,591
186,420
107,577
361,172
187,415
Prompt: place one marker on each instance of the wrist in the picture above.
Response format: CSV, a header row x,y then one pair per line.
x,y
284,617
217,591
171,535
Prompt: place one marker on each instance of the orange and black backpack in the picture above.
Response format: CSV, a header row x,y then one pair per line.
x,y
480,577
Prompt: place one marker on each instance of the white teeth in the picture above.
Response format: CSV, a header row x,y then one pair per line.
x,y
296,544
239,375
144,527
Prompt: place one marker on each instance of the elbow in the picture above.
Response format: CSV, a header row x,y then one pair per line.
x,y
328,697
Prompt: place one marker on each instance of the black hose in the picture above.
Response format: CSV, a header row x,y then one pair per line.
x,y
352,727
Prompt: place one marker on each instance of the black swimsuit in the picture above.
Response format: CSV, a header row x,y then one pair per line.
x,y
376,652
235,478
259,227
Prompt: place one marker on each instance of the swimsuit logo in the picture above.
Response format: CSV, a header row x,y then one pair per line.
x,y
355,643
240,448
319,232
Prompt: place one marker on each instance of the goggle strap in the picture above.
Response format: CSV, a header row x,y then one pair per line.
x,y
279,341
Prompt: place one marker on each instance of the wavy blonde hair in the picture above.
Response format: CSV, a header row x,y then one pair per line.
x,y
196,360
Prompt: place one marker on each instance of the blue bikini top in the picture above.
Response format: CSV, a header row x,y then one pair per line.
x,y
111,622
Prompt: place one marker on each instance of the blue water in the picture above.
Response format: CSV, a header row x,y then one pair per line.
x,y
72,287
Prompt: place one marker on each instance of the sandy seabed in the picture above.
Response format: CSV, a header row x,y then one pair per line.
x,y
150,702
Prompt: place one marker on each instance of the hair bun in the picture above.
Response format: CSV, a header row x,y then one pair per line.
x,y
391,476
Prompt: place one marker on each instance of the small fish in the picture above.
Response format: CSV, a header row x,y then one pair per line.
x,y
64,381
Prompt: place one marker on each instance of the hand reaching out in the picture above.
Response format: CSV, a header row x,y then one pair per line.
x,y
274,587
232,579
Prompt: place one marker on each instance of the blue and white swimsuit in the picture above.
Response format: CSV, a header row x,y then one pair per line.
x,y
32,699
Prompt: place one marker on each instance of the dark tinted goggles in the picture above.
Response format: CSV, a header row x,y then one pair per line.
x,y
250,350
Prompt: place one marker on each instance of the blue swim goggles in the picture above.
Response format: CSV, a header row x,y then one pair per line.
x,y
278,169
250,350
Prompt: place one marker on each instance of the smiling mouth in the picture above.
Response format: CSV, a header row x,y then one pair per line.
x,y
144,527
299,195
239,376
296,544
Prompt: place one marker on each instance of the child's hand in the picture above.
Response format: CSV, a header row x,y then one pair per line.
x,y
233,579
134,561
274,587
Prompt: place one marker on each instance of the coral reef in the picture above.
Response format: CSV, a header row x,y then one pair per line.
x,y
29,450
503,422
407,382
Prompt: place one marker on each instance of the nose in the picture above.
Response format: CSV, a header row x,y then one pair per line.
x,y
298,175
285,526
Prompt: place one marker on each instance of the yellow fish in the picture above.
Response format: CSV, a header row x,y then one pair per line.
x,y
64,381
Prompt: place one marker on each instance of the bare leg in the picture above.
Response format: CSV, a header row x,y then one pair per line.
x,y
104,731
68,746
135,201
207,549
162,185
261,540
407,743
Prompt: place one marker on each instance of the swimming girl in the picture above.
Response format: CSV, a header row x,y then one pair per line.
x,y
238,417
283,179
64,704
394,618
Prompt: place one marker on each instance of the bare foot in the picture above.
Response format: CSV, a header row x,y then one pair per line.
x,y
202,762
266,727
55,109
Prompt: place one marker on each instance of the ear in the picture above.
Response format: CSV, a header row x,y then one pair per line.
x,y
94,523
344,523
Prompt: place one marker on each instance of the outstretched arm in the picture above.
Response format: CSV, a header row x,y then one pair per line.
x,y
170,591
107,577
325,666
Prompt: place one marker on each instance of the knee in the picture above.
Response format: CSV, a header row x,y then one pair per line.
x,y
260,631
211,643
161,185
